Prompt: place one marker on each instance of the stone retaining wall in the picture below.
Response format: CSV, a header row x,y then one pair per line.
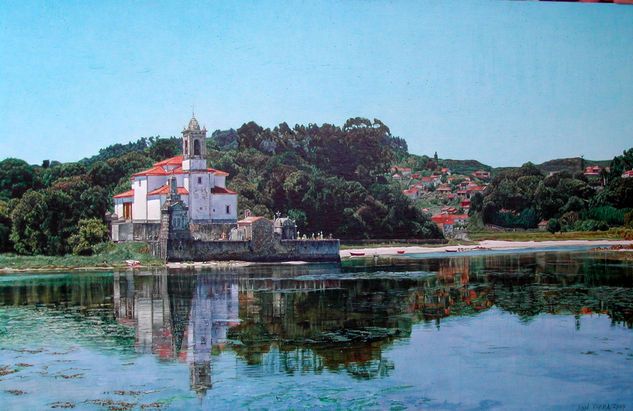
x,y
277,250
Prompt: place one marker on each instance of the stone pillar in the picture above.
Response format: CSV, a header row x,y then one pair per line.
x,y
174,221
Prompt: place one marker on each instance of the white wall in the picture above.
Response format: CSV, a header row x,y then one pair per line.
x,y
220,181
153,206
139,207
199,196
219,203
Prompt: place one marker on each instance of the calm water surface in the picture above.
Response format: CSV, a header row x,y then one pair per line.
x,y
540,330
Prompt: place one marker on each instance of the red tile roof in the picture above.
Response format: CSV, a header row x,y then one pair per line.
x,y
158,170
251,220
174,161
164,190
222,190
129,193
154,171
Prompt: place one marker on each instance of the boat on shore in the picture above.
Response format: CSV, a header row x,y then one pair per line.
x,y
355,254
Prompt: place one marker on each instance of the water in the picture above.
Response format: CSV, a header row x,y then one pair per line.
x,y
540,330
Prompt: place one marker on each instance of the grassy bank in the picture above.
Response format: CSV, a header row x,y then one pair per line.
x,y
613,234
107,255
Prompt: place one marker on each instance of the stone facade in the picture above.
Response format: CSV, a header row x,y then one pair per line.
x,y
276,250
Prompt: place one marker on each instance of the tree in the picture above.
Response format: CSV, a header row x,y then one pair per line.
x,y
16,177
28,218
164,148
553,225
5,227
91,232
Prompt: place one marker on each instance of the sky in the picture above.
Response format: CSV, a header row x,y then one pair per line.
x,y
503,82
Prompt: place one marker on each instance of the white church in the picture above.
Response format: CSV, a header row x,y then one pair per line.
x,y
202,189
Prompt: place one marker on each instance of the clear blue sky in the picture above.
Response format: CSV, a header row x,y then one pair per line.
x,y
502,82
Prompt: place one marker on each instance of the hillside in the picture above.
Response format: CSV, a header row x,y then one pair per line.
x,y
571,165
465,167
330,179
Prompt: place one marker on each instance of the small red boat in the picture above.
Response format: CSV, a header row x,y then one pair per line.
x,y
356,254
449,250
400,251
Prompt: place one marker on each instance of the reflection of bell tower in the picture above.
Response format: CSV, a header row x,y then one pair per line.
x,y
194,147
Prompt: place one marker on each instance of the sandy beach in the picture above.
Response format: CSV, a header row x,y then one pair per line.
x,y
484,245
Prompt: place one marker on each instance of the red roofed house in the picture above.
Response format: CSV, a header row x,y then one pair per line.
x,y
481,174
203,190
446,171
474,189
627,174
445,222
404,171
411,193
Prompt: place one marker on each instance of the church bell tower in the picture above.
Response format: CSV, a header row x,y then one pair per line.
x,y
194,146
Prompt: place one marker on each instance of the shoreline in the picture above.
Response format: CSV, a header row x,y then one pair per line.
x,y
484,245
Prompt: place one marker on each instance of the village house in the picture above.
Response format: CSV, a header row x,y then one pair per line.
x,y
474,189
430,181
443,189
412,193
444,222
627,174
403,171
446,171
592,173
202,189
482,175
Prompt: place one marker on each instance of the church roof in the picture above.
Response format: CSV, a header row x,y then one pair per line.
x,y
173,161
222,190
158,170
129,193
164,190
154,171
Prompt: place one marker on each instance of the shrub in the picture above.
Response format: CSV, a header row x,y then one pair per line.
x,y
553,225
91,232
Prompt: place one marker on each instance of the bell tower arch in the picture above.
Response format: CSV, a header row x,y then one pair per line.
x,y
194,146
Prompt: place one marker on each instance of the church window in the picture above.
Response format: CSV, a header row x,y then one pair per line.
x,y
228,209
186,147
196,147
199,180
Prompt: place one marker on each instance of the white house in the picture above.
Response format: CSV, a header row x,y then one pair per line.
x,y
202,189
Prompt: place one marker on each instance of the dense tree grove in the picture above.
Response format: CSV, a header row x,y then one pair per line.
x,y
522,197
330,179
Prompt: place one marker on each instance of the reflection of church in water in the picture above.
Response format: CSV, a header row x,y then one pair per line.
x,y
179,317
285,322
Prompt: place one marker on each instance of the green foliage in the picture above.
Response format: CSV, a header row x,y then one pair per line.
x,y
553,226
28,218
165,148
16,177
628,219
118,150
91,232
590,225
609,214
5,227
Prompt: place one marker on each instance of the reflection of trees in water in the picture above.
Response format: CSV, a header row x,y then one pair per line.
x,y
310,318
